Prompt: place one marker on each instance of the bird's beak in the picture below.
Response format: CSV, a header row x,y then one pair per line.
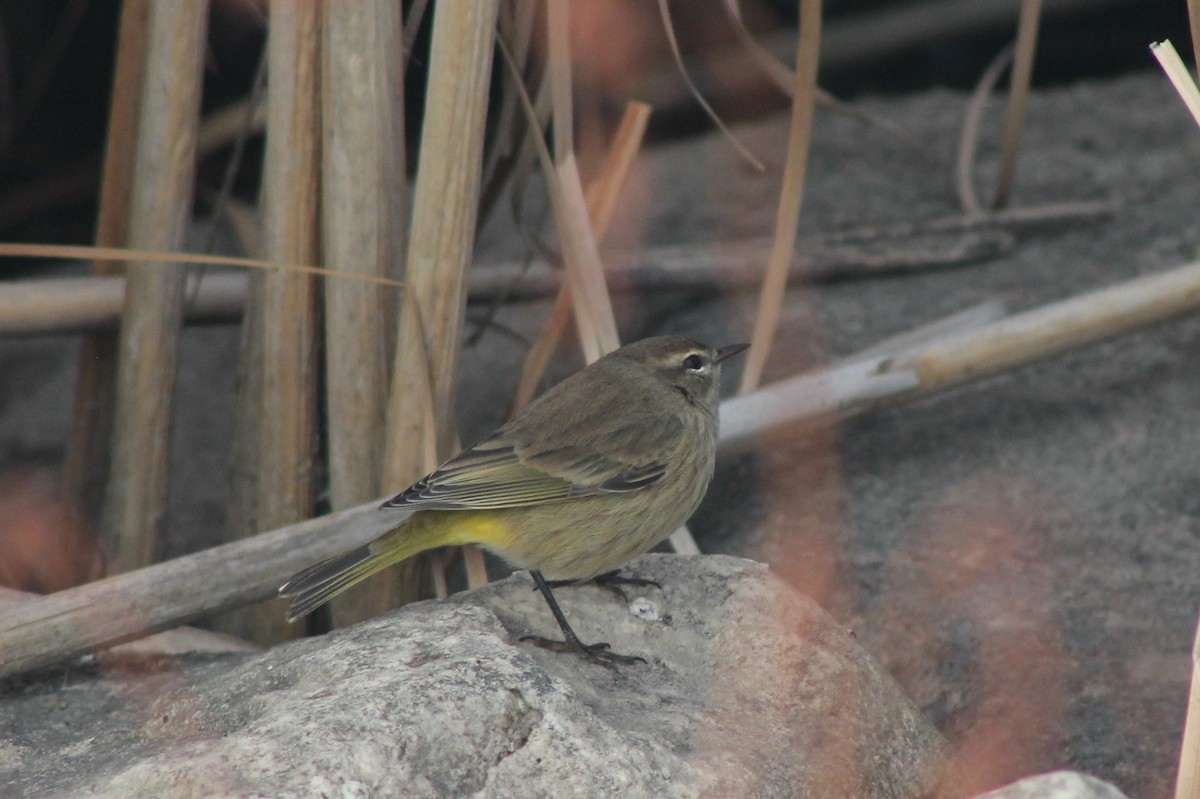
x,y
729,351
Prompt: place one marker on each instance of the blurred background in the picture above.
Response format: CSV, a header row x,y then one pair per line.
x,y
56,66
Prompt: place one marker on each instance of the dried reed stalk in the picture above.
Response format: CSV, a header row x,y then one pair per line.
x,y
858,386
87,460
601,198
364,199
788,218
420,411
584,270
1187,782
159,213
1018,98
154,598
1193,7
68,305
277,405
1172,64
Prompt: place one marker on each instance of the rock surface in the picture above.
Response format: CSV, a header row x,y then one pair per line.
x,y
1056,785
749,690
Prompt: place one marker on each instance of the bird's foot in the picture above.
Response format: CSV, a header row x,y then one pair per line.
x,y
597,653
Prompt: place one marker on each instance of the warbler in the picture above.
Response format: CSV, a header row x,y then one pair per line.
x,y
594,472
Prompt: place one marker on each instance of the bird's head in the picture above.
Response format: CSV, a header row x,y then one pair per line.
x,y
692,368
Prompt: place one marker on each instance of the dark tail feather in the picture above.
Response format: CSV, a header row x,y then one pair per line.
x,y
317,584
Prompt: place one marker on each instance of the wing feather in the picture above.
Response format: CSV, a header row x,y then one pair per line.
x,y
496,474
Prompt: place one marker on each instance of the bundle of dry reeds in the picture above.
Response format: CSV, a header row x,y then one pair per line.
x,y
347,275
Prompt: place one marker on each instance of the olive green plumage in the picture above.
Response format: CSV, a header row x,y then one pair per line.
x,y
594,472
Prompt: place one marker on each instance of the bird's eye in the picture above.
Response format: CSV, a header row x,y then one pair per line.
x,y
695,362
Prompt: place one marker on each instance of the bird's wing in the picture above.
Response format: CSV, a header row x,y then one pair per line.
x,y
496,473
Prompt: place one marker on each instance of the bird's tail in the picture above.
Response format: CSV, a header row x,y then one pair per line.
x,y
316,585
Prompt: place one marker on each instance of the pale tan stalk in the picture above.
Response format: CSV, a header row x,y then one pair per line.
x,y
159,212
363,206
788,218
420,430
1018,98
276,441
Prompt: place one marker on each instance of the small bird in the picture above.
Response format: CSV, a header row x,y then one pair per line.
x,y
594,472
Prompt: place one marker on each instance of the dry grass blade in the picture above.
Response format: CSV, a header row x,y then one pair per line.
x,y
159,213
584,272
788,218
1018,98
968,142
167,258
1187,783
86,467
1172,64
665,12
601,202
1193,7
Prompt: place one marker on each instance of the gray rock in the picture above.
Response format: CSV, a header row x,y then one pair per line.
x,y
1056,785
749,690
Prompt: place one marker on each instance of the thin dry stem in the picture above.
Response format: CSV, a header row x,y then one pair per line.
x,y
1193,7
166,258
669,28
1187,783
1018,98
783,77
584,271
788,218
968,142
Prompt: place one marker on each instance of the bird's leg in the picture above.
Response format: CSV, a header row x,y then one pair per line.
x,y
609,581
597,653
